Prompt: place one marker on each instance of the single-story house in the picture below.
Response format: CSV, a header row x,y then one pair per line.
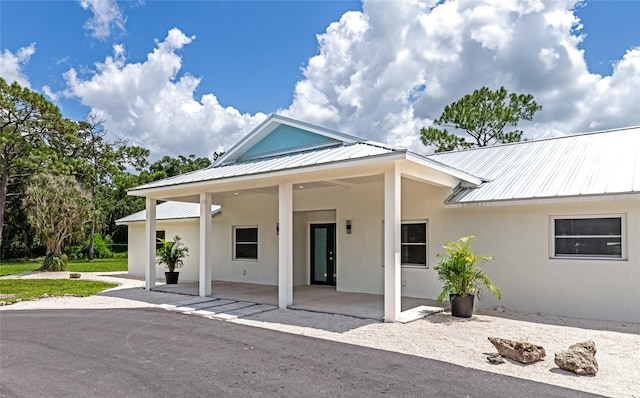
x,y
298,204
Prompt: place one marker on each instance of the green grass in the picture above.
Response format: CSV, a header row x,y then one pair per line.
x,y
13,267
27,289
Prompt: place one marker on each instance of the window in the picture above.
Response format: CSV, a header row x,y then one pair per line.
x,y
245,243
414,244
159,235
588,237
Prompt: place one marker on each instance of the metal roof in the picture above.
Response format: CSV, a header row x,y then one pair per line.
x,y
282,162
169,211
601,163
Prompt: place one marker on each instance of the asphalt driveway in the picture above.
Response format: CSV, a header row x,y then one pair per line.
x,y
156,353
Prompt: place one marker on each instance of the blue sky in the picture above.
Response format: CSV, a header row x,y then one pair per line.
x,y
382,71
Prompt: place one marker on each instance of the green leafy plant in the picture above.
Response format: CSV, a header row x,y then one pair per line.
x,y
459,271
100,248
53,263
172,253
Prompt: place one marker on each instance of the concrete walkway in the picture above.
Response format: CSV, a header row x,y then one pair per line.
x,y
314,298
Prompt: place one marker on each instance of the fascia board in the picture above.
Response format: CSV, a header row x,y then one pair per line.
x,y
546,200
466,177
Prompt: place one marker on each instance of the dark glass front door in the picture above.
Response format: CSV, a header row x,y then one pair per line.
x,y
323,254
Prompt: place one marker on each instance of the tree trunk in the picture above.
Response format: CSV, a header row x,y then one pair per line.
x,y
91,250
4,185
91,253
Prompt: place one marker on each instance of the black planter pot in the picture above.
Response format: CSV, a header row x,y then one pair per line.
x,y
171,277
461,306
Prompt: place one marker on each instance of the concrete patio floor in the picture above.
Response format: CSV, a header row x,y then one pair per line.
x,y
314,298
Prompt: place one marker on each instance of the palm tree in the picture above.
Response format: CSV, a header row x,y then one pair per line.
x,y
172,253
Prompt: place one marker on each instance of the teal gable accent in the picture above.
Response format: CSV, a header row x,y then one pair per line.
x,y
286,138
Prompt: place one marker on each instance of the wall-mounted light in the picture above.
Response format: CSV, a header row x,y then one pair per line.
x,y
348,227
277,228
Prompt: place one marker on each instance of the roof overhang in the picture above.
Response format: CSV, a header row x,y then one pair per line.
x,y
339,169
546,200
409,164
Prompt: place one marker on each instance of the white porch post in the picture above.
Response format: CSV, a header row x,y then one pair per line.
x,y
285,245
205,245
150,234
392,223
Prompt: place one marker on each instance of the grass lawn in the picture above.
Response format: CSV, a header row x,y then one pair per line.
x,y
13,267
26,289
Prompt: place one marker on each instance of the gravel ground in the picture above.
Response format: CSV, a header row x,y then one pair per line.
x,y
442,337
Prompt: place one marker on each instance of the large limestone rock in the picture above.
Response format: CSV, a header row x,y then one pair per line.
x,y
518,350
579,358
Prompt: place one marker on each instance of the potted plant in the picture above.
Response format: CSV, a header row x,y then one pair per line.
x,y
459,271
171,254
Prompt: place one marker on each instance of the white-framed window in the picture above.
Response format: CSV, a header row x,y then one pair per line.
x,y
245,243
160,234
413,243
588,236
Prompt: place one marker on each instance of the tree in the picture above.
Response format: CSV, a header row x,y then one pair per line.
x,y
27,122
483,115
180,165
100,160
58,208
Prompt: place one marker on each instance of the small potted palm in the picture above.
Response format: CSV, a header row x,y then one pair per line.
x,y
171,254
463,279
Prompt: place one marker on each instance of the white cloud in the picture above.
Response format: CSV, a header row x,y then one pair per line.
x,y
370,64
151,105
107,18
382,74
11,65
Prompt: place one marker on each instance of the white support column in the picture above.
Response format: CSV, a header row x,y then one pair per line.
x,y
285,245
392,266
205,245
150,234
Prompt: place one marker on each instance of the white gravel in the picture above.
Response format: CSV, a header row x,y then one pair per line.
x,y
441,337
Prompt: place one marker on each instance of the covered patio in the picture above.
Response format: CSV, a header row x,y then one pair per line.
x,y
315,298
303,206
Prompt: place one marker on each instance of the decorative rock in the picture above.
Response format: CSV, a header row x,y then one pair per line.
x,y
495,359
589,346
518,350
74,275
579,358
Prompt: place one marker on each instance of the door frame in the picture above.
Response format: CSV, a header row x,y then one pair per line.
x,y
331,280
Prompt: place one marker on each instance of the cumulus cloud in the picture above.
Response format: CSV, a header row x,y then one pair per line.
x,y
382,74
12,64
150,105
107,18
387,71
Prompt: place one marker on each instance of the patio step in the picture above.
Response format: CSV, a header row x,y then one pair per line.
x,y
419,312
214,308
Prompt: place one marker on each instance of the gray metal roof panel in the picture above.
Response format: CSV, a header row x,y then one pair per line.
x,y
599,163
169,211
282,162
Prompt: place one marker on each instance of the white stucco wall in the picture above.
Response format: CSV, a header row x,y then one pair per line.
x,y
259,210
186,229
518,236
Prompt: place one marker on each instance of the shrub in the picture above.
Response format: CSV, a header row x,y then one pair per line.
x,y
53,263
100,248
